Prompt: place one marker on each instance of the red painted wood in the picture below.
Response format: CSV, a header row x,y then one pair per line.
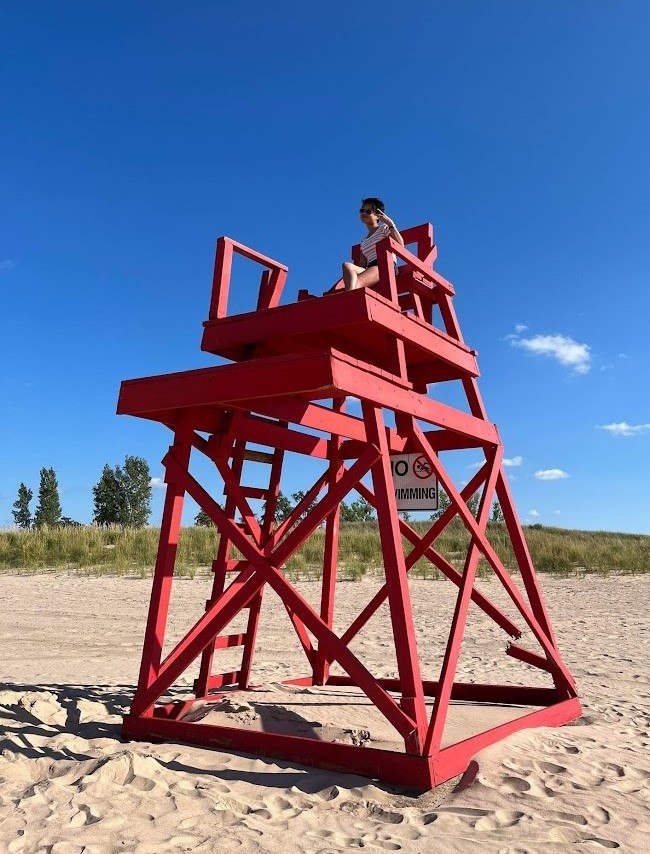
x,y
529,657
399,599
294,366
492,557
423,549
336,470
411,771
164,570
458,622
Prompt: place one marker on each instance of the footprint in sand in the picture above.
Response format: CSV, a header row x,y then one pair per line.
x,y
84,816
335,839
499,820
598,816
514,786
550,768
385,816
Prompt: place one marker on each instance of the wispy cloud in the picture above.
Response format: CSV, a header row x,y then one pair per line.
x,y
157,483
513,461
550,474
520,327
6,264
622,428
534,513
556,512
562,348
475,465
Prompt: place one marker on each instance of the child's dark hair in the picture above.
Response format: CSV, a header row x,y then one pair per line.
x,y
375,204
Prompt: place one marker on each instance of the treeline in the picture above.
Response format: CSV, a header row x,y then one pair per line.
x,y
359,510
121,497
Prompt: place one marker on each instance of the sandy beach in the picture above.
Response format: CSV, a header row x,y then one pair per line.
x,y
68,783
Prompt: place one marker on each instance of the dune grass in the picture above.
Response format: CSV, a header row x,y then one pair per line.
x,y
115,551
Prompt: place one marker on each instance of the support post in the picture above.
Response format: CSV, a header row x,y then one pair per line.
x,y
331,552
459,620
154,638
398,592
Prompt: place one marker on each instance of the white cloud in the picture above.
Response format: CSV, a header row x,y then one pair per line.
x,y
520,327
157,483
476,465
556,512
622,428
513,461
560,347
550,474
6,265
534,513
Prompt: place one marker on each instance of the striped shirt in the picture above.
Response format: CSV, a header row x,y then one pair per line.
x,y
369,244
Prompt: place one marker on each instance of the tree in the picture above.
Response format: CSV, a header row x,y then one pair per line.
x,y
109,498
283,509
136,478
123,494
359,511
443,504
406,516
297,497
497,512
48,511
21,513
202,520
473,503
67,522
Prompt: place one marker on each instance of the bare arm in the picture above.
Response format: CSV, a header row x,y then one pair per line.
x,y
394,233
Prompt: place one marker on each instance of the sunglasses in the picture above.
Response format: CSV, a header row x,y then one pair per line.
x,y
365,211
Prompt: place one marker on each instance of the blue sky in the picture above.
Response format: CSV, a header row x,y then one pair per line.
x,y
136,133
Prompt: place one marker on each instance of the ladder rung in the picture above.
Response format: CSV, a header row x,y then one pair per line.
x,y
254,492
210,602
258,456
236,565
226,641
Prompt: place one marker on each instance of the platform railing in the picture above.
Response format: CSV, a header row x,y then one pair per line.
x,y
420,236
272,281
415,285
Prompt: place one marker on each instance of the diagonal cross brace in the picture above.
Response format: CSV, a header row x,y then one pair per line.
x,y
247,584
452,651
239,499
451,573
491,556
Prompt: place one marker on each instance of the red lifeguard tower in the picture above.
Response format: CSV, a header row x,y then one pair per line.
x,y
292,368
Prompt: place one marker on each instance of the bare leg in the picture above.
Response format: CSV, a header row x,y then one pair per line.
x,y
350,275
370,276
359,277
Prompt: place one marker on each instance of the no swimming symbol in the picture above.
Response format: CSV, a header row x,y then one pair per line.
x,y
422,468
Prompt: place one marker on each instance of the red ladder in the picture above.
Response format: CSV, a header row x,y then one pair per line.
x,y
224,564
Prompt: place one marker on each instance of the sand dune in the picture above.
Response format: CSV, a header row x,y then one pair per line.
x,y
68,783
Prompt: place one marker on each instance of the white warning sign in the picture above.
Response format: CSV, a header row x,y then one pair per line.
x,y
416,487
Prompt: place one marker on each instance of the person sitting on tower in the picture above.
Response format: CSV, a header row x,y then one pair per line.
x,y
379,225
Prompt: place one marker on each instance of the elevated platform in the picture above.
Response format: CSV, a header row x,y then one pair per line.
x,y
357,323
203,394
